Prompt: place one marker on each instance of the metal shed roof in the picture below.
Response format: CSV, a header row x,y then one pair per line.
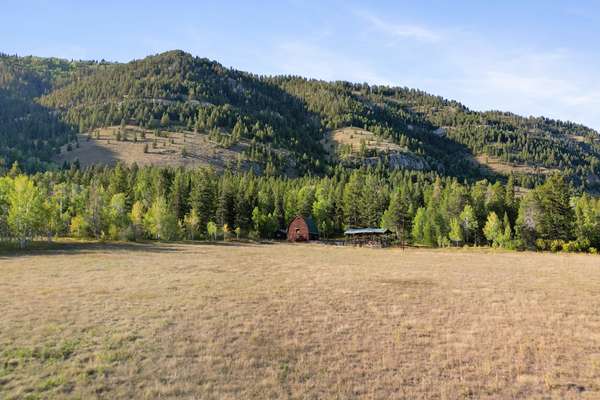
x,y
358,231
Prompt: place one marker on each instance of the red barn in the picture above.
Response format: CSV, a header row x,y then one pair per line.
x,y
302,229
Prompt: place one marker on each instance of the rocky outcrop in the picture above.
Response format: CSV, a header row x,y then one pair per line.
x,y
398,161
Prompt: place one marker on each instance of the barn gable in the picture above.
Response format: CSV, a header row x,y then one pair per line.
x,y
302,229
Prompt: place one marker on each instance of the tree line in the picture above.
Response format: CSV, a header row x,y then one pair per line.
x,y
423,208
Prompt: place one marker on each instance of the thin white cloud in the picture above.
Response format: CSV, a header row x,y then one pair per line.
x,y
314,61
399,30
552,83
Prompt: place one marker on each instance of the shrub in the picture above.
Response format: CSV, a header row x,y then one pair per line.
x,y
583,244
128,234
541,244
113,232
79,227
570,247
556,245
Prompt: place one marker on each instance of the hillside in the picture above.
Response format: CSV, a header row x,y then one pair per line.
x,y
280,122
177,91
30,132
132,144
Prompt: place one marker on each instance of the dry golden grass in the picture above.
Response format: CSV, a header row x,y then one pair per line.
x,y
297,321
354,137
107,150
502,167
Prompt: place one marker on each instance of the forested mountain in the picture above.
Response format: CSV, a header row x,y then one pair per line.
x,y
30,132
45,102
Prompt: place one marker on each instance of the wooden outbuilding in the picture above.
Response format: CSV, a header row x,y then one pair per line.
x,y
371,237
302,229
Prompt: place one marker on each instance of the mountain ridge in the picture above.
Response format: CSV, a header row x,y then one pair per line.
x,y
176,90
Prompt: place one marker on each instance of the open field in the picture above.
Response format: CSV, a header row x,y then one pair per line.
x,y
225,321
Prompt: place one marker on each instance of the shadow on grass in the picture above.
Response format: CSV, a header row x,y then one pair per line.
x,y
62,247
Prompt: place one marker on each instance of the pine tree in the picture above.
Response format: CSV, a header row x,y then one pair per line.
x,y
226,204
373,201
396,217
306,198
180,190
556,216
203,197
352,200
165,120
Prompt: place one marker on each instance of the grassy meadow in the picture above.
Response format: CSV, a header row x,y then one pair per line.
x,y
272,321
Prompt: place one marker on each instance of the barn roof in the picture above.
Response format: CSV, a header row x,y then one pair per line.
x,y
358,231
312,227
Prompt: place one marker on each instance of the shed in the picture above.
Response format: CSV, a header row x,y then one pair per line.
x,y
302,229
368,236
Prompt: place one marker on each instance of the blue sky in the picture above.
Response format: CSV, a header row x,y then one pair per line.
x,y
529,57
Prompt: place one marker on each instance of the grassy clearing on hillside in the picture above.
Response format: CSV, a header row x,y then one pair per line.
x,y
225,321
354,138
167,149
505,168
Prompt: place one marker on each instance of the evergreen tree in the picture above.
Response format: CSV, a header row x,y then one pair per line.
x,y
352,200
180,190
556,214
203,197
226,203
165,120
396,217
